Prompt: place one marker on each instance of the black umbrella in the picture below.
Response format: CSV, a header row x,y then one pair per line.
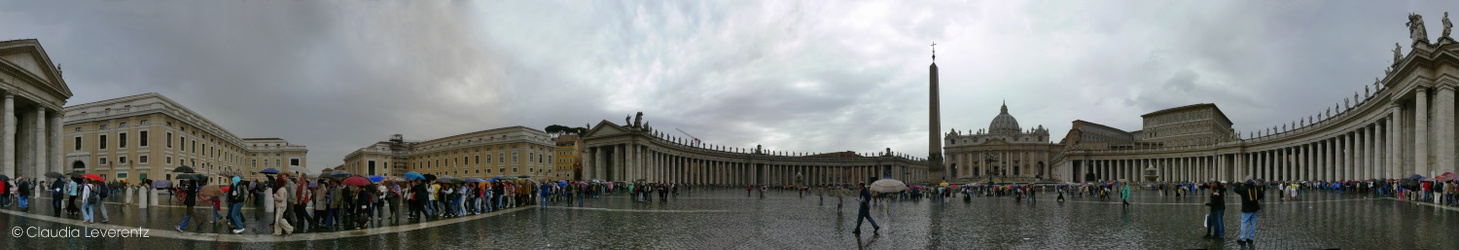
x,y
430,177
338,174
76,175
53,174
190,177
183,169
4,178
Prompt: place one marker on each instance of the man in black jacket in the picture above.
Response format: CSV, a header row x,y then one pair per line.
x,y
1214,221
1251,195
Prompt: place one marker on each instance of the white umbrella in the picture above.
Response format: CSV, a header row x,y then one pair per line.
x,y
888,186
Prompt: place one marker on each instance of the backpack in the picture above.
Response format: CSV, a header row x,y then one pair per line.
x,y
95,196
103,190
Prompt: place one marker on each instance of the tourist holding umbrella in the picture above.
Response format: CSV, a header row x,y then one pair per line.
x,y
189,192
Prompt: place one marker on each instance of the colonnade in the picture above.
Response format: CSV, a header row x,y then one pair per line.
x,y
662,161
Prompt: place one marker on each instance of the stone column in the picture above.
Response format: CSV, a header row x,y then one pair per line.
x,y
1394,136
1421,132
7,139
1444,114
1372,147
1360,153
57,159
40,141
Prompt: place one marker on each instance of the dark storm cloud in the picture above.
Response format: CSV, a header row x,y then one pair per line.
x,y
795,76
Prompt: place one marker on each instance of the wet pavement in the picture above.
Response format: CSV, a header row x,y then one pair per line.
x,y
728,219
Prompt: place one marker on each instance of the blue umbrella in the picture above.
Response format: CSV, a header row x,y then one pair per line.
x,y
562,184
414,176
376,178
269,171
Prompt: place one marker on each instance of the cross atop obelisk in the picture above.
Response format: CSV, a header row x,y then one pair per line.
x,y
934,51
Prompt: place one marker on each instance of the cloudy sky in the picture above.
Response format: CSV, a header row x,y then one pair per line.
x,y
806,76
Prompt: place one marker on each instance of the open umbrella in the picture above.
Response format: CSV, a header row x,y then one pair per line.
x,y
443,181
161,184
77,175
94,177
183,169
190,177
355,181
211,190
430,177
475,180
4,178
338,174
888,186
1450,176
54,174
269,171
376,178
1416,177
414,176
944,184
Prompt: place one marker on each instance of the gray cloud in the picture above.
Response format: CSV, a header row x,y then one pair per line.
x,y
800,76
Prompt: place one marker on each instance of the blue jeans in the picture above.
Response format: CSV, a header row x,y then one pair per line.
x,y
544,201
1217,223
864,213
185,218
235,213
86,211
376,208
1248,225
431,208
24,202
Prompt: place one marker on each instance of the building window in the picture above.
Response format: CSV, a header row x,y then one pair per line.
x,y
142,139
169,139
142,159
101,161
78,129
121,160
101,142
103,126
514,159
294,162
122,125
78,143
501,157
168,160
182,143
478,159
502,170
514,170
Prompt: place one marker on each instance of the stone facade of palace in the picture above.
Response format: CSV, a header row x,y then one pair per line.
x,y
146,136
1403,124
633,152
507,151
34,93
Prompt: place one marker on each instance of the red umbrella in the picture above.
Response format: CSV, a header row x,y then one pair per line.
x,y
94,177
356,181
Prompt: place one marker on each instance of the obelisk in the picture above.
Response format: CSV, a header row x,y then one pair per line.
x,y
934,123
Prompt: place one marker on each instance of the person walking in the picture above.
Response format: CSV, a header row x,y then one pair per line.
x,y
1251,196
24,193
189,199
1214,222
281,204
864,212
302,196
1125,194
57,195
88,194
236,195
71,191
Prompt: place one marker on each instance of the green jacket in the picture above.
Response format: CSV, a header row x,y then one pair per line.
x,y
336,197
1125,192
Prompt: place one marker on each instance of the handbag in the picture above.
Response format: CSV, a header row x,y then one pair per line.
x,y
1206,222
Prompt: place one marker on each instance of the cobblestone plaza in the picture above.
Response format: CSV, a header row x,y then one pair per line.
x,y
727,219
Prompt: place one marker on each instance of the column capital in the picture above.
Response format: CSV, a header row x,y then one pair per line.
x,y
9,95
1448,87
1421,90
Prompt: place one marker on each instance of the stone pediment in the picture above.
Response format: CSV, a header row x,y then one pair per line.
x,y
605,128
28,56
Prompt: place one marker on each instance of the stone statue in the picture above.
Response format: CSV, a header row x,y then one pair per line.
x,y
1447,25
1416,28
758,149
1397,53
637,120
1377,84
1365,92
627,120
1347,102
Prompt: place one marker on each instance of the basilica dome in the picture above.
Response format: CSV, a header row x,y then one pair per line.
x,y
1004,123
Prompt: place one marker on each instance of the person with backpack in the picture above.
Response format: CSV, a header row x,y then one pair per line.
x,y
24,193
1251,196
89,197
101,203
57,196
236,195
